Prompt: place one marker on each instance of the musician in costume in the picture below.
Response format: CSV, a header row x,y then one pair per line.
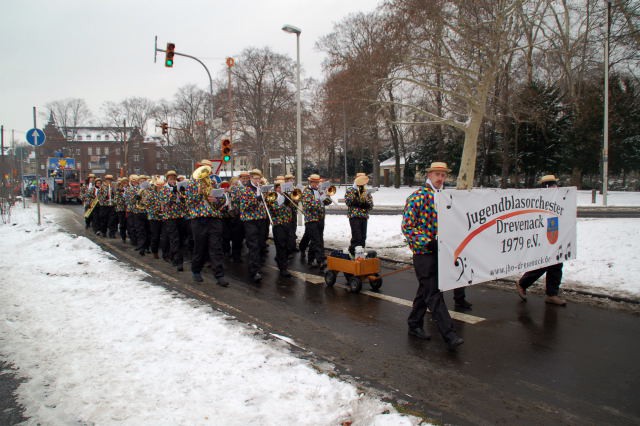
x,y
120,207
420,229
107,213
141,221
152,202
359,203
314,201
205,212
280,210
173,206
237,225
293,224
130,191
95,214
86,196
254,217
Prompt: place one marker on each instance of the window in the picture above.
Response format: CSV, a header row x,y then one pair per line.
x,y
117,151
158,154
118,165
79,165
99,137
88,137
77,152
106,164
136,158
89,151
106,150
79,137
158,166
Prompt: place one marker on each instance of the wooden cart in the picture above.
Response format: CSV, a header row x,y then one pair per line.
x,y
355,271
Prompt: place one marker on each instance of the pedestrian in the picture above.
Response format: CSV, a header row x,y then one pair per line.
x,y
554,272
420,228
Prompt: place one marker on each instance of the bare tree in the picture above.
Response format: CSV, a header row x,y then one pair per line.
x,y
68,114
475,39
263,91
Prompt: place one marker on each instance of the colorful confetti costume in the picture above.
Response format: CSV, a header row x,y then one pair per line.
x,y
420,227
358,214
173,226
151,200
121,212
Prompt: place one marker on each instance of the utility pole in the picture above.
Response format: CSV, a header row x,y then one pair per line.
x,y
35,150
230,64
605,148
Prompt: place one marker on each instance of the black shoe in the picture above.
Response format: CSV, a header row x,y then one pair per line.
x,y
419,333
256,277
237,260
98,234
463,305
453,341
124,240
285,274
197,277
313,263
180,268
142,252
222,282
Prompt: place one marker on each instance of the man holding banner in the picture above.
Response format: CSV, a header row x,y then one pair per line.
x,y
554,272
420,228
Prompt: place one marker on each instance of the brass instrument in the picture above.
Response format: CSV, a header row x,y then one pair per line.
x,y
201,175
92,206
331,191
296,195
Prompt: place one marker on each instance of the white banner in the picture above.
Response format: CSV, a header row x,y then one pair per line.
x,y
487,234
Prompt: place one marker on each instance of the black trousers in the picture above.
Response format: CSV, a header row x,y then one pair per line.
x,y
108,220
316,241
155,230
122,224
131,229
281,239
171,232
233,235
207,240
554,276
293,227
304,241
96,218
254,234
429,295
142,235
358,233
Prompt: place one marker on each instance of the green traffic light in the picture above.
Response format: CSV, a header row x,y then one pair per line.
x,y
169,63
226,158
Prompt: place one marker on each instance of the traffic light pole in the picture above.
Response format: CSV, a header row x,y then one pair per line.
x,y
210,85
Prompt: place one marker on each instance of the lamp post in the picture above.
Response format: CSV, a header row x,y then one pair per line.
x,y
295,30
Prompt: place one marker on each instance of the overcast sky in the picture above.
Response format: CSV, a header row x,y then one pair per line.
x,y
102,50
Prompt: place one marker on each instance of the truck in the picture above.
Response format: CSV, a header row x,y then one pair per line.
x,y
63,180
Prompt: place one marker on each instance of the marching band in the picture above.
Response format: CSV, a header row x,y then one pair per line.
x,y
207,220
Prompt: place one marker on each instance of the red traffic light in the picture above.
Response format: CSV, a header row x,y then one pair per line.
x,y
226,150
168,59
165,128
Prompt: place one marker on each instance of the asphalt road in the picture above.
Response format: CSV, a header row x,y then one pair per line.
x,y
522,363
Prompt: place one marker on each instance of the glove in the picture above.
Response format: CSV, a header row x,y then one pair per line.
x,y
432,246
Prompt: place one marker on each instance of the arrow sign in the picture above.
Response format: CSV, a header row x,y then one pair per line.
x,y
36,137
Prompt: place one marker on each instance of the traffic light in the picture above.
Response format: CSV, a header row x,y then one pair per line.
x,y
165,128
226,150
168,60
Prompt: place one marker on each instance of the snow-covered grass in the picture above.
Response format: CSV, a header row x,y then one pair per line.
x,y
97,344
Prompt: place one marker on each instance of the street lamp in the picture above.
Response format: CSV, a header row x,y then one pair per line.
x,y
295,30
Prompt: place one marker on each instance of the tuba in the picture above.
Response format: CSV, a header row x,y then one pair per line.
x,y
201,175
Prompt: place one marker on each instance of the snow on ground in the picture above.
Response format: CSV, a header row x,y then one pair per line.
x,y
608,254
96,344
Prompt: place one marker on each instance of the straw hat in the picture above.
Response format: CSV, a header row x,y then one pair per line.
x,y
91,175
108,177
314,178
133,177
244,173
255,172
289,176
171,173
362,180
360,174
143,177
438,166
279,177
97,179
548,179
206,162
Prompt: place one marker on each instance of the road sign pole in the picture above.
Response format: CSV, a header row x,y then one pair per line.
x,y
35,150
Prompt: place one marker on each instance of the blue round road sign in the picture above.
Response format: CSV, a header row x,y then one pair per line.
x,y
36,137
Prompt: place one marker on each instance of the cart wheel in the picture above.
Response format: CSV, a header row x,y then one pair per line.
x,y
375,283
355,284
347,276
330,277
